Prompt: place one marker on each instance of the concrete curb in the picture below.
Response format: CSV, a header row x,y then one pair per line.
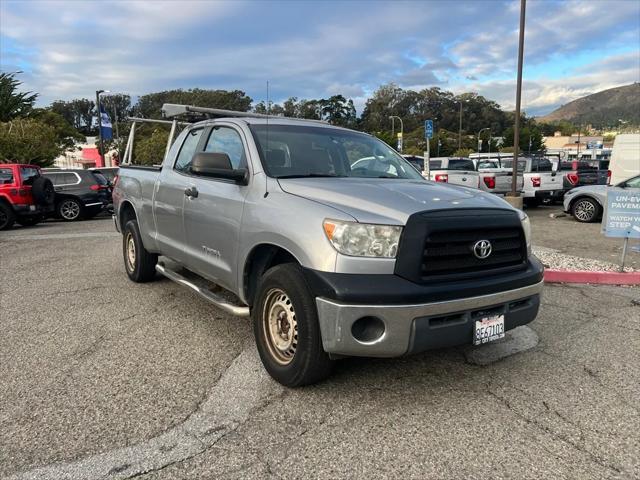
x,y
602,278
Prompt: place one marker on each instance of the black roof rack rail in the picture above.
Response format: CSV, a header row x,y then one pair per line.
x,y
172,110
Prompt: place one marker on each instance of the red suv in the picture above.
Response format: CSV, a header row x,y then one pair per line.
x,y
25,195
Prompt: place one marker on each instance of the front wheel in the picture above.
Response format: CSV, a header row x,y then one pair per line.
x,y
139,263
585,210
286,329
7,217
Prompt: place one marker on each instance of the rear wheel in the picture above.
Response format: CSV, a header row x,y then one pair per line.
x,y
286,329
139,263
7,217
69,209
585,210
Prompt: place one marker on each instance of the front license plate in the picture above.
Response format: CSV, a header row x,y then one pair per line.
x,y
488,329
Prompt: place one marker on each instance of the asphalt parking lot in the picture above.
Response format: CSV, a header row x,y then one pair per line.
x,y
103,378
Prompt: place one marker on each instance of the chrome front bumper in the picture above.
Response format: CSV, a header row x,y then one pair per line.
x,y
448,322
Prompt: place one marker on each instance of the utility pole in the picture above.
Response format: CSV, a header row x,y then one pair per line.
x,y
516,129
100,152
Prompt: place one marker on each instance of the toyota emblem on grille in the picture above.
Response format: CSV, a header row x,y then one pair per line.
x,y
482,249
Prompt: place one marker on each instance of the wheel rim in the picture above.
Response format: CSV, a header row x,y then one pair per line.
x,y
584,210
130,252
69,210
280,326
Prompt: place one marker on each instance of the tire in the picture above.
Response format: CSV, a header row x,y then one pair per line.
x,y
532,202
7,217
138,262
70,209
283,302
43,191
585,210
30,221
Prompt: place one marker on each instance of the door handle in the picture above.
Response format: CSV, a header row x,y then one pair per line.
x,y
191,192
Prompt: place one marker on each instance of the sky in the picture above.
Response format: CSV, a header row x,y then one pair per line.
x,y
314,49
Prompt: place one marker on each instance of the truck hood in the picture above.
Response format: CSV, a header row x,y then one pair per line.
x,y
388,201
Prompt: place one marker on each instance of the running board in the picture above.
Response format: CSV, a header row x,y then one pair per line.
x,y
217,300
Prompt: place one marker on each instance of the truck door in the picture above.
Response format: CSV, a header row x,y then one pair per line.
x,y
213,213
169,197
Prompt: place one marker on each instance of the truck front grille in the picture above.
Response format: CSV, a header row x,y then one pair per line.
x,y
437,246
451,252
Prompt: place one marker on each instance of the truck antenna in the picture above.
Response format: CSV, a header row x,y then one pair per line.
x,y
266,148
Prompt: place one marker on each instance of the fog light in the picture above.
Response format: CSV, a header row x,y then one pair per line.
x,y
368,329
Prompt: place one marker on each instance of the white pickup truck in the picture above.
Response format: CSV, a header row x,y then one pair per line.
x,y
494,176
452,170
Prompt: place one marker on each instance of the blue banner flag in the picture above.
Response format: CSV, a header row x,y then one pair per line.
x,y
106,130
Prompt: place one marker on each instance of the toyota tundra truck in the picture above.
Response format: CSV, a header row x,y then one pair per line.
x,y
277,220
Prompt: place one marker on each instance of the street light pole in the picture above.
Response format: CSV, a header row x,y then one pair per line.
x,y
480,133
460,127
401,127
100,153
516,129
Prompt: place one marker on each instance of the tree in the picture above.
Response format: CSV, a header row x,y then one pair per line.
x,y
78,112
149,105
337,110
14,104
118,106
149,148
530,132
27,140
67,135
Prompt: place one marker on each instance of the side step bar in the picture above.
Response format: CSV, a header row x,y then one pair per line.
x,y
217,300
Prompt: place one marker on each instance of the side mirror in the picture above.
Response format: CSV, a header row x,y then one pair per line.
x,y
217,165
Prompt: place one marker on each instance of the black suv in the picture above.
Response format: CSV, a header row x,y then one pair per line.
x,y
79,193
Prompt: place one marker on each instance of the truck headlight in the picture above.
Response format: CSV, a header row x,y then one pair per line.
x,y
363,239
526,226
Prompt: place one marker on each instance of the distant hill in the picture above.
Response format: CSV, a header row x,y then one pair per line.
x,y
600,109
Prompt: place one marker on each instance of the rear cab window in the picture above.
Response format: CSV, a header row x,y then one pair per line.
x,y
460,164
100,179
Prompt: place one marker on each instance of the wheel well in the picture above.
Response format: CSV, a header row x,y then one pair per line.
x,y
127,213
262,258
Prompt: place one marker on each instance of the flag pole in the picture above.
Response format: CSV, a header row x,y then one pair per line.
x,y
100,153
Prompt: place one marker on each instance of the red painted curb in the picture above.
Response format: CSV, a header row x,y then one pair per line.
x,y
605,278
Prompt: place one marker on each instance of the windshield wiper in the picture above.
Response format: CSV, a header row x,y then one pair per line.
x,y
313,175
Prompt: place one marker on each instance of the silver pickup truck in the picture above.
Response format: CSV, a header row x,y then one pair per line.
x,y
329,255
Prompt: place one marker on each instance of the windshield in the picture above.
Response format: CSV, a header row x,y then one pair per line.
x,y
290,151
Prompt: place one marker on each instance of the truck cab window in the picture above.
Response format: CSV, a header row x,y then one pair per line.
x,y
188,149
227,140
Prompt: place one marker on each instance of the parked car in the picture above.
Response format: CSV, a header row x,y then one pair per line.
x,y
625,157
79,194
25,195
327,259
496,178
453,170
586,204
540,179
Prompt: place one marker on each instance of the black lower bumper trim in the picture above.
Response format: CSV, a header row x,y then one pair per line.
x,y
392,289
457,329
